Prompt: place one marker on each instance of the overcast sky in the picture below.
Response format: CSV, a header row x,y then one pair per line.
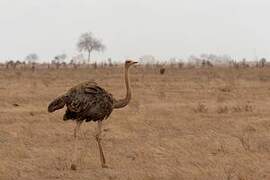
x,y
132,28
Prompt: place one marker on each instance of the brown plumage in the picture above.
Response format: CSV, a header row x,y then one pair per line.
x,y
86,101
89,102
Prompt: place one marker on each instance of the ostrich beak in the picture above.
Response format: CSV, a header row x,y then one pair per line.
x,y
134,62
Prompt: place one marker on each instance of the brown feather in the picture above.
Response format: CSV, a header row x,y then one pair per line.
x,y
85,101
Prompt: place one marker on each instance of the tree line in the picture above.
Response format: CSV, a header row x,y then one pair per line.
x,y
87,43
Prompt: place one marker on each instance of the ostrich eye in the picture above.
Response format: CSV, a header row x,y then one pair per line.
x,y
128,61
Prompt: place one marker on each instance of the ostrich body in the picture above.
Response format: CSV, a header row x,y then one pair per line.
x,y
89,102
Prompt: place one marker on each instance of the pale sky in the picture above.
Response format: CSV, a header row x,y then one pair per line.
x,y
132,28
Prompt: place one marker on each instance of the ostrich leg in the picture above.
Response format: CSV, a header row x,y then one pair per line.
x,y
98,139
76,132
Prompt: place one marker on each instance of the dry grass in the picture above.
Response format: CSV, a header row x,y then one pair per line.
x,y
187,124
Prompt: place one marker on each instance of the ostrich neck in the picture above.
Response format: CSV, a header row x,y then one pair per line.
x,y
123,102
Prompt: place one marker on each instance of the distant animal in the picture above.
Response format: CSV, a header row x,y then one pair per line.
x,y
162,70
89,102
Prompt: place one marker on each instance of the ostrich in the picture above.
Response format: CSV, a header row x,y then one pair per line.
x,y
87,101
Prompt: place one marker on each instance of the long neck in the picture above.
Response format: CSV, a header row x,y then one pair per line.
x,y
123,102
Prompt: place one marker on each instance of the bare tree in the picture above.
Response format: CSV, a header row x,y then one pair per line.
x,y
262,62
17,63
31,59
10,64
88,43
76,60
59,59
110,62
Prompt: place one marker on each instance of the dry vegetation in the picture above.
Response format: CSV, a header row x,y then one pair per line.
x,y
205,123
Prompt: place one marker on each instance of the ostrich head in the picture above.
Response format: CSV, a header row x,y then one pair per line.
x,y
129,63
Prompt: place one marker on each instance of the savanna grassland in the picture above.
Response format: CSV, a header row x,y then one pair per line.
x,y
203,124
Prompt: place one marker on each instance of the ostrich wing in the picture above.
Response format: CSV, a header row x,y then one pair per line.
x,y
88,101
61,101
